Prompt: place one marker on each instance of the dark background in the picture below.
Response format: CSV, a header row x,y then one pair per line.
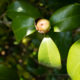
x,y
23,55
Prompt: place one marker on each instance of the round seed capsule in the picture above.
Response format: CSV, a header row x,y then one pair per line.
x,y
42,25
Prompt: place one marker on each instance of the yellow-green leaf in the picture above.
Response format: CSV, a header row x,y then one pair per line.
x,y
49,54
77,73
73,61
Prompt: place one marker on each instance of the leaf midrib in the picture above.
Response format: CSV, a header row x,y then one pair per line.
x,y
48,54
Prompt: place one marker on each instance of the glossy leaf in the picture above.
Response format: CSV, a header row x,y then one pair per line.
x,y
49,54
77,73
23,26
63,41
73,61
66,18
22,8
7,73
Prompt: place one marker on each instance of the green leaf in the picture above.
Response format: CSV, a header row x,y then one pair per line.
x,y
23,26
7,73
49,54
77,73
66,18
73,61
24,8
63,41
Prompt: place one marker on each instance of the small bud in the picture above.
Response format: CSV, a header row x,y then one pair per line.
x,y
42,25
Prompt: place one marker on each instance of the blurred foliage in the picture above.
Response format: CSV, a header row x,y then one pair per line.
x,y
22,56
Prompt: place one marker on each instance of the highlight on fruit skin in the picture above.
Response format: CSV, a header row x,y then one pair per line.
x,y
42,25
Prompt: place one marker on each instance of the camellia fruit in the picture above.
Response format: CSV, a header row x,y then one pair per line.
x,y
42,25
